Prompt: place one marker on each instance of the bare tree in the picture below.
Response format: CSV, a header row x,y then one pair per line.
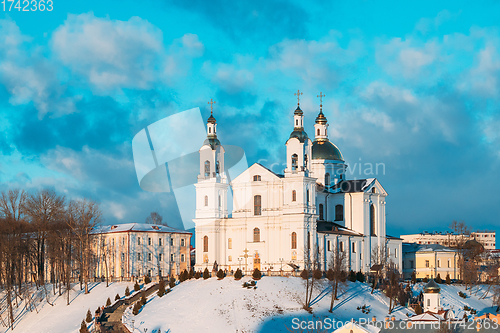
x,y
379,262
392,289
154,218
496,297
336,273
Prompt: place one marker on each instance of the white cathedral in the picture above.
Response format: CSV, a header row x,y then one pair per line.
x,y
275,217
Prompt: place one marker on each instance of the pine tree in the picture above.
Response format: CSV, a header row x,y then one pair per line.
x,y
171,283
206,274
197,275
426,279
83,327
191,273
161,288
448,280
238,274
127,292
220,274
352,276
418,309
136,286
413,277
256,275
117,297
317,274
108,302
360,277
147,279
438,278
137,307
88,319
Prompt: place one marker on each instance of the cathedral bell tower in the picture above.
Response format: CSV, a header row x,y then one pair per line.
x,y
298,146
212,186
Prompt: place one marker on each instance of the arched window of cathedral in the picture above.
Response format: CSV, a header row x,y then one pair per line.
x,y
256,235
308,240
230,243
318,131
217,166
296,123
372,220
374,190
219,201
294,195
294,240
327,179
205,244
207,168
339,213
295,161
257,205
307,197
209,130
321,212
257,178
206,200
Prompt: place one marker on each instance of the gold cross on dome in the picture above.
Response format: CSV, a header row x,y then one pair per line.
x,y
320,100
298,93
211,106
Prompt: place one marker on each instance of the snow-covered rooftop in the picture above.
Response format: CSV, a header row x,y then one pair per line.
x,y
138,227
414,247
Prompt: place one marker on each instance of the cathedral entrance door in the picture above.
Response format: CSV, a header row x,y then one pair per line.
x,y
256,261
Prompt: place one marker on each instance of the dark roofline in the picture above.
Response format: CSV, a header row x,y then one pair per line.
x,y
271,171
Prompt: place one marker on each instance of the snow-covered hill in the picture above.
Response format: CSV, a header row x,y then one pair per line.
x,y
275,306
61,318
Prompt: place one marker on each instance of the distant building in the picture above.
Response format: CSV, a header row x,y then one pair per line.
x,y
429,260
138,249
486,238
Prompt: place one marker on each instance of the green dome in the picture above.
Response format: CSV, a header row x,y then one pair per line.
x,y
432,287
212,142
325,150
299,134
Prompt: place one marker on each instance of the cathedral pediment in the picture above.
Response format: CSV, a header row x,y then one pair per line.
x,y
257,172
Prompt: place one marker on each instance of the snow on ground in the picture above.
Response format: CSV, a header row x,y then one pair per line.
x,y
225,306
62,318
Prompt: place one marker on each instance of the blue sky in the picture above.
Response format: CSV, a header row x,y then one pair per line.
x,y
413,86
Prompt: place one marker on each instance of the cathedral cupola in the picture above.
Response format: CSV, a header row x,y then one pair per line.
x,y
321,125
212,128
298,122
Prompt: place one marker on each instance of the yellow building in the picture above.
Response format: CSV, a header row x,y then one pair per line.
x,y
429,260
139,249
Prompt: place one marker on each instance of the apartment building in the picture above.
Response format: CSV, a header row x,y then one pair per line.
x,y
138,249
486,238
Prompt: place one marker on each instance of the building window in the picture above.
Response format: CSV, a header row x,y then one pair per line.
x,y
123,256
205,244
339,213
307,197
217,167
149,241
449,263
327,179
138,240
256,235
427,263
321,212
294,195
206,200
229,243
411,264
296,123
428,302
439,263
220,202
257,208
329,246
160,257
207,168
317,131
229,258
341,246
172,257
294,240
182,242
395,253
353,247
138,257
372,220
159,241
150,257
183,258
256,178
374,190
295,162
172,241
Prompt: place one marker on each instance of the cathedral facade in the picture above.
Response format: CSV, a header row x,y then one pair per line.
x,y
278,221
